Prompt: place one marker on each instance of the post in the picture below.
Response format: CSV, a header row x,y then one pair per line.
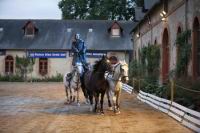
x,y
139,84
172,89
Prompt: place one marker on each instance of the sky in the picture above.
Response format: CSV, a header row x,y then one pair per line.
x,y
29,9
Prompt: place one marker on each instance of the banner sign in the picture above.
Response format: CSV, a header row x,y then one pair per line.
x,y
47,54
91,54
95,55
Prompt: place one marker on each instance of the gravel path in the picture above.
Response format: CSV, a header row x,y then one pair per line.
x,y
39,107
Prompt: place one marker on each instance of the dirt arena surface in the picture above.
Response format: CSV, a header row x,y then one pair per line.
x,y
39,108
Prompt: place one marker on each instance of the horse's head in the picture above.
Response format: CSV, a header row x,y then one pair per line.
x,y
124,72
76,72
105,64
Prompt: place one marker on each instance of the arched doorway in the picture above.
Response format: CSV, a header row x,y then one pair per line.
x,y
196,49
9,64
165,56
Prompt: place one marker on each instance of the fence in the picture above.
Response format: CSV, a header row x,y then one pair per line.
x,y
185,116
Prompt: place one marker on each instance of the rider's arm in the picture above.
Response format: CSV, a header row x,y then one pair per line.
x,y
74,49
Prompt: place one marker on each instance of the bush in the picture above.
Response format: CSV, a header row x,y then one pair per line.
x,y
188,98
11,78
17,78
57,78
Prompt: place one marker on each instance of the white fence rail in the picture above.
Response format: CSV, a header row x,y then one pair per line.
x,y
185,116
127,88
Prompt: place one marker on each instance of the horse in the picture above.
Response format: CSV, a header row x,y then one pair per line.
x,y
96,83
115,79
72,83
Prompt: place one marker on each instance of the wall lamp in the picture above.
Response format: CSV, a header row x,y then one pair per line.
x,y
138,35
163,15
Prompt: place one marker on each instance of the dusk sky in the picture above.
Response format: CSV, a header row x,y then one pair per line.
x,y
29,9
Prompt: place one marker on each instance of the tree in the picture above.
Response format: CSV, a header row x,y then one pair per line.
x,y
98,9
24,66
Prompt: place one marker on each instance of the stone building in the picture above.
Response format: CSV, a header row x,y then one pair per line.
x,y
161,25
49,42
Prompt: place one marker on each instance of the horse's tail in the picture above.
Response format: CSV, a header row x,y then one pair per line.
x,y
82,78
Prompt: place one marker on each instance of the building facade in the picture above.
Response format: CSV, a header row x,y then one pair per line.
x,y
49,43
161,26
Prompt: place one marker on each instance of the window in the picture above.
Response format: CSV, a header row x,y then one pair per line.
x,y
90,30
196,48
69,29
43,66
29,29
155,42
115,32
9,62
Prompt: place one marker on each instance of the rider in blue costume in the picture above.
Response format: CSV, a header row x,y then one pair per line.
x,y
79,50
79,57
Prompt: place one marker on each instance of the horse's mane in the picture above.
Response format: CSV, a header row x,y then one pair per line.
x,y
96,65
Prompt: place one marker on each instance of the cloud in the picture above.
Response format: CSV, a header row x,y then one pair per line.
x,y
29,9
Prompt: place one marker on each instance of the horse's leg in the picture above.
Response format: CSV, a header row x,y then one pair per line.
x,y
91,100
109,102
118,101
84,88
102,97
114,98
67,94
78,103
72,95
96,101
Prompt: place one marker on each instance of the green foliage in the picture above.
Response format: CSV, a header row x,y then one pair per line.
x,y
11,78
188,98
147,70
150,58
17,78
97,9
184,52
24,66
136,69
57,78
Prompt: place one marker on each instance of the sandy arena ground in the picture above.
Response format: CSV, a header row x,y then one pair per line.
x,y
39,107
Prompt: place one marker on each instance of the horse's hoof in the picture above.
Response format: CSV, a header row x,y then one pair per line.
x,y
66,102
87,102
117,113
91,108
101,113
110,108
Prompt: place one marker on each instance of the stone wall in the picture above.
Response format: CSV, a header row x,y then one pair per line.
x,y
153,30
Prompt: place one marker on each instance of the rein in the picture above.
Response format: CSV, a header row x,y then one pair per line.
x,y
117,79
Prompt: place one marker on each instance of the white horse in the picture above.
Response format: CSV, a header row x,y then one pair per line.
x,y
72,84
119,75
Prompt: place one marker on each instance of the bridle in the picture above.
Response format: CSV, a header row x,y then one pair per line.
x,y
114,70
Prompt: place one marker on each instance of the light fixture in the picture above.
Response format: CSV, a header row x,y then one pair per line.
x,y
164,12
163,19
138,35
163,15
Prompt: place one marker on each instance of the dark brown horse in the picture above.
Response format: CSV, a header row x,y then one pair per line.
x,y
96,84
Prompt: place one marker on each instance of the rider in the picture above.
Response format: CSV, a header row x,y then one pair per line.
x,y
79,50
79,58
